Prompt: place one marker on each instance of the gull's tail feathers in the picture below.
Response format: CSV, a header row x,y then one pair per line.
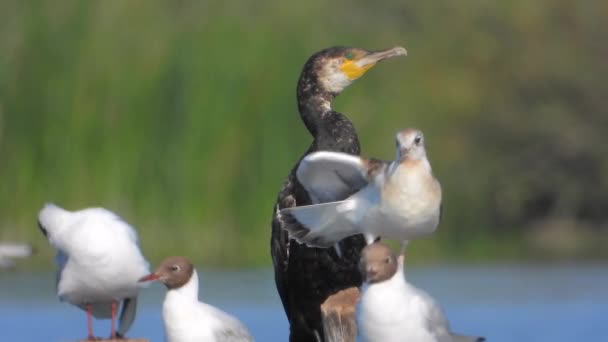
x,y
127,315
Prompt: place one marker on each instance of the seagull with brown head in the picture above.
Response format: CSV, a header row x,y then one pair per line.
x,y
393,310
185,318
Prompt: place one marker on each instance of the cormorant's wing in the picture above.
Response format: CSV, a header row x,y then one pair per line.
x,y
279,241
332,176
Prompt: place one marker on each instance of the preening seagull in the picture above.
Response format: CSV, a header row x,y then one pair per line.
x,y
98,262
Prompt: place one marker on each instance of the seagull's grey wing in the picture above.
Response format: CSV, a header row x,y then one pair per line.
x,y
233,332
463,338
60,260
127,315
322,225
436,322
333,176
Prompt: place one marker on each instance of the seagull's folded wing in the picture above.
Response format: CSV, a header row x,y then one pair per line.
x,y
332,176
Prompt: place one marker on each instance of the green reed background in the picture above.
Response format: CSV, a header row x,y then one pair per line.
x,y
181,117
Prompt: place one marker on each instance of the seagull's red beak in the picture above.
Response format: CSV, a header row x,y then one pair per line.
x,y
149,277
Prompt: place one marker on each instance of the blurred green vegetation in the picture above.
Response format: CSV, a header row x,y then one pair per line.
x,y
181,117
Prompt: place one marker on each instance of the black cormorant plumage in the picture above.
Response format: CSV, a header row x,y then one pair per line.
x,y
306,276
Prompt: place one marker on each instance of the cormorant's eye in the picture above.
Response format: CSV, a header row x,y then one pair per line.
x,y
175,268
417,140
349,56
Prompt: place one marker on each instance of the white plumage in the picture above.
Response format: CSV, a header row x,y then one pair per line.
x,y
98,260
393,310
187,319
11,250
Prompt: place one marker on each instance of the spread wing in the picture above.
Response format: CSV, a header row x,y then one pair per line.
x,y
331,176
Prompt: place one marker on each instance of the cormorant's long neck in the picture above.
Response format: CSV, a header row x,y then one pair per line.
x,y
313,102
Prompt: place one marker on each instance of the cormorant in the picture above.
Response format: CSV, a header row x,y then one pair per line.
x,y
306,276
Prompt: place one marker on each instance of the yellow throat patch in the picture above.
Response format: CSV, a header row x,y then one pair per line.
x,y
353,71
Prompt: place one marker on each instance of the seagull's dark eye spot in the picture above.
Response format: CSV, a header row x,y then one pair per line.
x,y
349,56
417,140
175,268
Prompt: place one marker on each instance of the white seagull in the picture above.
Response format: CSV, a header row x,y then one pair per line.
x,y
98,262
12,250
185,318
393,310
397,200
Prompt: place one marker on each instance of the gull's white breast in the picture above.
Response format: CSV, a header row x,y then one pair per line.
x,y
410,204
391,312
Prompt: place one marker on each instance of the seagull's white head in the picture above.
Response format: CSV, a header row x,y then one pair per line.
x,y
410,144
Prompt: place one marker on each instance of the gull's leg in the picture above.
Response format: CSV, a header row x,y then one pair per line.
x,y
89,308
113,310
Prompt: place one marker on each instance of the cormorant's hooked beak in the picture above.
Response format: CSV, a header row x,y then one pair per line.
x,y
377,56
356,67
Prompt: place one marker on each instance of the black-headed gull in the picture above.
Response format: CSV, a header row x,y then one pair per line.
x,y
397,200
393,310
98,261
186,319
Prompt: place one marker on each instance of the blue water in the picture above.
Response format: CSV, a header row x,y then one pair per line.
x,y
503,303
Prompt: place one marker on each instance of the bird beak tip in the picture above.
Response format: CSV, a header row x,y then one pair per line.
x,y
149,277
